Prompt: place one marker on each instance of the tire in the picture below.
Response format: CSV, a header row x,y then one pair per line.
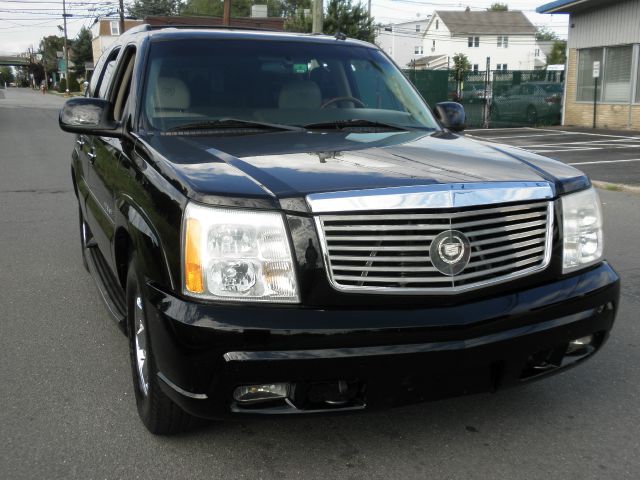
x,y
85,235
157,411
532,115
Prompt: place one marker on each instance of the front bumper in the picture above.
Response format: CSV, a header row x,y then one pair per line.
x,y
378,358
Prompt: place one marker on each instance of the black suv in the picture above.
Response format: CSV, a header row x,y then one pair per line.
x,y
281,225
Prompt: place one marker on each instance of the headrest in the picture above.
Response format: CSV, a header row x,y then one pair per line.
x,y
172,94
300,94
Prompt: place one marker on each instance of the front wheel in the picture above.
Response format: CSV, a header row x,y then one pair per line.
x,y
157,411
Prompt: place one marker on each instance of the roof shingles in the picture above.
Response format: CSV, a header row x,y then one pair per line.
x,y
487,22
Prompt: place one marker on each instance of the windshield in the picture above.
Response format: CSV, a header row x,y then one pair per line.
x,y
287,83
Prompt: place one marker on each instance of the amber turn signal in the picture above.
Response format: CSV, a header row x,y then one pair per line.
x,y
192,264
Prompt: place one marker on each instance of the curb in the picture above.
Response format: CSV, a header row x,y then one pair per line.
x,y
616,187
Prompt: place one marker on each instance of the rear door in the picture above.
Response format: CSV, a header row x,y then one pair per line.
x,y
101,152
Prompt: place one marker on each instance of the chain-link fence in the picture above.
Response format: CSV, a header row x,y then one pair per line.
x,y
501,98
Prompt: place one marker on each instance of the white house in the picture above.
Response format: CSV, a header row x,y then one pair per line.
x,y
402,41
508,39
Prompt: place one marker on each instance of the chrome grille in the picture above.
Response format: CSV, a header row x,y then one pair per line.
x,y
390,252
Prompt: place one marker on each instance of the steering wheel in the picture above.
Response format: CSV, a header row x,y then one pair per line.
x,y
343,99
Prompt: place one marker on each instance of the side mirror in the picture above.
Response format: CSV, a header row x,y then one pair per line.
x,y
451,115
90,116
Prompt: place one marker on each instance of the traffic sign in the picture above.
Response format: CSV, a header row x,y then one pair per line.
x,y
596,69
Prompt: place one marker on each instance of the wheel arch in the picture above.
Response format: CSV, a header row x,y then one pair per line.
x,y
136,233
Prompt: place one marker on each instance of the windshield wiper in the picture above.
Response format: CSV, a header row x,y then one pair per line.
x,y
354,123
230,123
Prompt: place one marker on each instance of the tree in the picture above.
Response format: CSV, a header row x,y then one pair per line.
x,y
299,21
82,50
498,7
558,54
49,48
460,65
352,20
239,8
144,8
544,34
6,75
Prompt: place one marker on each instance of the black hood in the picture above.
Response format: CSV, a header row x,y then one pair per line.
x,y
275,166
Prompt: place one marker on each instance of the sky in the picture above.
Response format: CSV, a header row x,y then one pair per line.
x,y
24,22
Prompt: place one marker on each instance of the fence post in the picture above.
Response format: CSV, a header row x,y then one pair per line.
x,y
485,111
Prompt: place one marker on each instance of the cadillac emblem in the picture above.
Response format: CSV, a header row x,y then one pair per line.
x,y
449,252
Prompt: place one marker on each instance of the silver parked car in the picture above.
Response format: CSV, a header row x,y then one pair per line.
x,y
529,102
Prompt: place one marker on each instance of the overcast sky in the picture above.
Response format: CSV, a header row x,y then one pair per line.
x,y
24,22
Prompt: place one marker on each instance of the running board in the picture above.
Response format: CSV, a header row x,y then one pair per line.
x,y
108,286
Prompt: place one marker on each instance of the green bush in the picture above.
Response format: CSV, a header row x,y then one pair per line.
x,y
73,82
62,86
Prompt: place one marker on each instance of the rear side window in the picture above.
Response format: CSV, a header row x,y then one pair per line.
x,y
107,74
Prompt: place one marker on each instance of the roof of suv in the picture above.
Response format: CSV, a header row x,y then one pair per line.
x,y
180,33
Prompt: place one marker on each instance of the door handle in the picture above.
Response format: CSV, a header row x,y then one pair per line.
x,y
80,141
92,156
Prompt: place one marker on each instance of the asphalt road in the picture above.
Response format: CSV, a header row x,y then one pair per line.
x,y
606,155
67,409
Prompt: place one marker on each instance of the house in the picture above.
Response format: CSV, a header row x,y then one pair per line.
x,y
606,32
506,38
402,41
105,31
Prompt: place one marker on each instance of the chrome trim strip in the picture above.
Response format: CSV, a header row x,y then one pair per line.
x,y
438,290
197,396
450,195
412,348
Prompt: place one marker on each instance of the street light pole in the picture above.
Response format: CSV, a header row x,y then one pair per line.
x,y
66,50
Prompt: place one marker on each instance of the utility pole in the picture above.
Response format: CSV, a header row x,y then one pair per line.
x,y
317,17
226,13
369,9
121,17
66,50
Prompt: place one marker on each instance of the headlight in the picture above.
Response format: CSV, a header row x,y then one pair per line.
x,y
237,255
582,230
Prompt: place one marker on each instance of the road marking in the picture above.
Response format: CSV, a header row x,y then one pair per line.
x,y
606,161
520,136
587,133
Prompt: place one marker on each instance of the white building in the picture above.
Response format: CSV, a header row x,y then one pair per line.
x,y
508,39
403,41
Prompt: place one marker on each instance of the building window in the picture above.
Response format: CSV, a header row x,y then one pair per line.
x,y
617,74
115,28
638,79
477,41
501,66
437,24
537,52
585,83
503,42
475,68
417,50
417,28
433,44
473,41
388,29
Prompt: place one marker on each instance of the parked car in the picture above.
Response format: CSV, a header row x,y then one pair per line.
x,y
529,102
281,225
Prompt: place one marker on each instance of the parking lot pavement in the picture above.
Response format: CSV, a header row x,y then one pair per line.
x,y
605,155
